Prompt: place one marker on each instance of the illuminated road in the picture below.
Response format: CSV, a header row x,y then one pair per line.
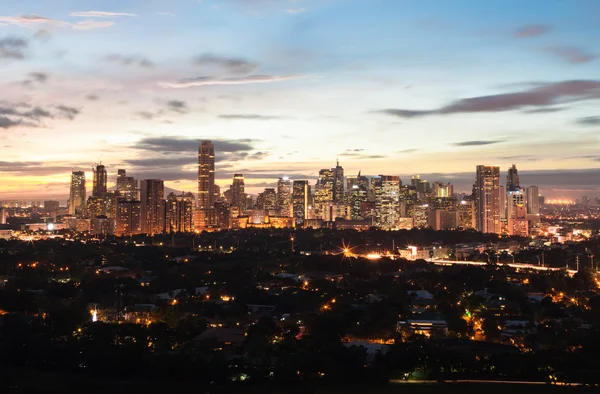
x,y
402,381
512,265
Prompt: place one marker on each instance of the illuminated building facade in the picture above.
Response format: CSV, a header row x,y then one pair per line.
x,y
206,185
533,200
100,181
180,213
152,206
338,184
128,213
267,200
357,189
238,193
387,203
77,193
442,190
284,196
487,199
300,193
466,214
517,223
421,215
126,185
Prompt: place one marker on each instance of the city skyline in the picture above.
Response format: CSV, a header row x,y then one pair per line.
x,y
284,88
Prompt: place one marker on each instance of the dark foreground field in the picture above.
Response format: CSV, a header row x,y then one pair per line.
x,y
23,381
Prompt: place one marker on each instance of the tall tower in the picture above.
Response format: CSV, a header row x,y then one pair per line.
x,y
77,194
284,196
206,185
487,199
387,201
338,183
533,200
152,216
512,179
300,193
100,180
238,194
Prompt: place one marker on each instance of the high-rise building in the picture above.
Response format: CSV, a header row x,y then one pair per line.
x,y
338,184
152,206
267,200
126,185
512,179
180,213
517,223
466,214
487,199
533,200
128,214
300,193
284,196
387,203
77,194
357,189
503,207
238,194
206,185
100,181
51,206
442,190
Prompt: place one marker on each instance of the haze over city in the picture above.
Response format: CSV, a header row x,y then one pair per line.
x,y
284,88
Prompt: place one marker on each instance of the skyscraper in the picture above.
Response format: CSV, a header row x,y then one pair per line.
x,y
284,196
517,213
100,181
512,179
267,200
152,216
387,201
533,200
338,184
126,185
357,188
300,193
128,215
487,199
206,185
77,194
238,194
180,213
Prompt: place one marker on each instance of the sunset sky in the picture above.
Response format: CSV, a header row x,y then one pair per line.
x,y
284,87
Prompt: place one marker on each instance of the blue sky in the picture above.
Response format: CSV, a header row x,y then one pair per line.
x,y
287,86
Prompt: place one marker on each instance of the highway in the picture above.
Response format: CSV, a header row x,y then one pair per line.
x,y
512,265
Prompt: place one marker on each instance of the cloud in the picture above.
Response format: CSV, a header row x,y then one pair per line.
x,y
178,144
165,13
250,117
91,24
206,81
228,64
357,154
145,115
28,20
36,77
295,10
6,123
42,34
407,151
22,114
177,106
92,97
68,112
476,143
13,48
100,14
572,55
532,31
589,121
539,96
544,110
132,60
